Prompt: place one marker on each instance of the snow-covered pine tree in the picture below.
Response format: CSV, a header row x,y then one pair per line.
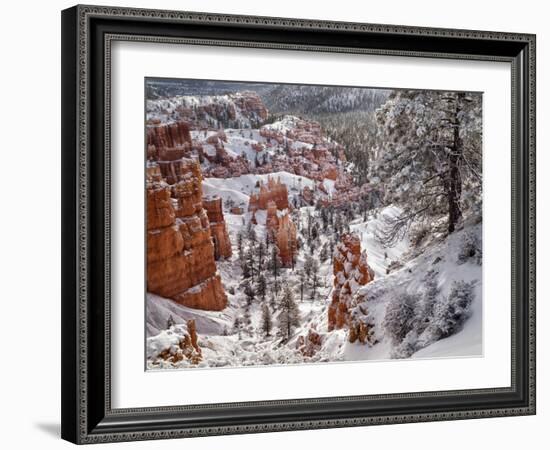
x,y
273,301
266,323
450,314
275,263
260,255
323,254
251,233
261,286
240,245
314,278
289,315
247,264
302,278
170,322
308,266
429,144
238,326
249,292
400,317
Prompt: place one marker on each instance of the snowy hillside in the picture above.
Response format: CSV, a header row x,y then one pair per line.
x,y
222,347
306,224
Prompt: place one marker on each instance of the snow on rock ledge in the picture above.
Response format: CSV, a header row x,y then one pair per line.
x,y
177,345
351,271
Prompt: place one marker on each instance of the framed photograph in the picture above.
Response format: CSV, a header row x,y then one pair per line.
x,y
280,224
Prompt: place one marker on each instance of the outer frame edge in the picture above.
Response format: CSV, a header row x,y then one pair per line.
x,y
82,14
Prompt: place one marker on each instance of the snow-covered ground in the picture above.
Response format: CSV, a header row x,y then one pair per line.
x,y
441,258
222,346
401,271
239,189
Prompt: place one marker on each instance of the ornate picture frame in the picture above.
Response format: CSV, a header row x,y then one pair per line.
x,y
88,33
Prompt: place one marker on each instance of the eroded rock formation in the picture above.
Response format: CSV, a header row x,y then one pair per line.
x,y
273,190
218,229
285,239
351,271
178,344
180,250
251,104
282,231
310,343
168,141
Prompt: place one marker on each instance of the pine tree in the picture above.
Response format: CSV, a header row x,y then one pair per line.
x,y
289,315
267,242
430,152
308,266
238,326
273,301
170,322
247,265
302,277
275,262
240,246
314,278
323,254
249,293
260,255
266,324
251,233
324,218
261,286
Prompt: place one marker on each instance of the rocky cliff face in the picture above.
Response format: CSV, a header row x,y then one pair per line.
x,y
236,110
218,229
168,142
282,231
180,250
251,104
351,271
272,191
285,239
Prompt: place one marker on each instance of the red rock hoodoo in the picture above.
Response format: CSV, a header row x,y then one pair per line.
x,y
274,191
310,343
250,103
180,250
351,271
168,141
218,230
282,231
285,238
185,348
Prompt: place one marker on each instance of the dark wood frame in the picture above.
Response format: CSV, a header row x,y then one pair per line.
x,y
87,33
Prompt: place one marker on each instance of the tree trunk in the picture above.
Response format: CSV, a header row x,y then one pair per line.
x,y
454,183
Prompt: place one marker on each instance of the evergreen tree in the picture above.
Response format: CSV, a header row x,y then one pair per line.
x,y
266,323
430,151
247,265
314,278
261,286
260,255
308,266
302,277
249,293
170,322
273,301
238,326
275,262
323,254
251,233
324,218
240,245
289,315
